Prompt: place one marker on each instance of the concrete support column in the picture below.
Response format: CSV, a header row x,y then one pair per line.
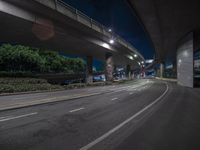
x,y
161,70
128,71
185,61
174,69
89,69
109,67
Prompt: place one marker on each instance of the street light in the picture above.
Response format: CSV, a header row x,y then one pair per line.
x,y
131,57
111,41
105,45
135,55
109,30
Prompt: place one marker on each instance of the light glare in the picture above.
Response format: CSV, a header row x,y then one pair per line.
x,y
111,41
105,45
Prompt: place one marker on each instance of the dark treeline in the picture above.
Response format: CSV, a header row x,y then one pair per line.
x,y
26,59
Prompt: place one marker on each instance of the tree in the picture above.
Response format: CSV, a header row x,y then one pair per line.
x,y
23,58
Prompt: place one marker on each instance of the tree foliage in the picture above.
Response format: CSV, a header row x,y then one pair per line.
x,y
23,58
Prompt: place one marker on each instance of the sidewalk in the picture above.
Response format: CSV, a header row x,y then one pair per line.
x,y
26,100
9,102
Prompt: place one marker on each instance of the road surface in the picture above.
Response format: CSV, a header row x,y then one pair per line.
x,y
141,115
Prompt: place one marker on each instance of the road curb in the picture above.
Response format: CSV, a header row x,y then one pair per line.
x,y
31,92
165,79
46,101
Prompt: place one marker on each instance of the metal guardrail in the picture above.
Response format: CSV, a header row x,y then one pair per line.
x,y
93,23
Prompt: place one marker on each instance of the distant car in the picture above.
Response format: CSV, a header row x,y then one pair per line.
x,y
99,78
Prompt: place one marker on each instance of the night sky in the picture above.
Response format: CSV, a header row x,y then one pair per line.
x,y
117,15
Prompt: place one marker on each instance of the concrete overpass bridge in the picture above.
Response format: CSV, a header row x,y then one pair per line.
x,y
52,24
173,26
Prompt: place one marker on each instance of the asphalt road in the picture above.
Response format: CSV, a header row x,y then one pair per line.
x,y
141,115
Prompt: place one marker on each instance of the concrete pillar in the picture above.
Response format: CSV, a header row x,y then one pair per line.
x,y
109,67
185,61
174,69
89,70
128,71
161,70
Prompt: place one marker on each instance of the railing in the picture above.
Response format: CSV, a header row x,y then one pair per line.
x,y
81,17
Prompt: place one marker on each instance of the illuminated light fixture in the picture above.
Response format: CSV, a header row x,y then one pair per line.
x,y
131,57
105,45
109,30
149,61
139,63
135,55
142,62
111,41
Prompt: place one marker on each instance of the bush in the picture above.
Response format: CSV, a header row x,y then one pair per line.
x,y
19,58
26,59
11,85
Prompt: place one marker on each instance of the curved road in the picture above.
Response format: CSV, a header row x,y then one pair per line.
x,y
141,115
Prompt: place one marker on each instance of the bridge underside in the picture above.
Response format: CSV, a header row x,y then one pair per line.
x,y
25,23
17,30
167,21
51,30
173,27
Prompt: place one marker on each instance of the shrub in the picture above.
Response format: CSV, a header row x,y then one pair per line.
x,y
11,85
26,59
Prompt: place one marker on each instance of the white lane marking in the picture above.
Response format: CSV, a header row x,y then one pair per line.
x,y
115,91
75,110
104,136
17,117
127,88
113,99
4,117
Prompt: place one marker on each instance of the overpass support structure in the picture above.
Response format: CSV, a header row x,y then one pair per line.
x,y
185,61
128,71
173,34
89,69
109,66
161,69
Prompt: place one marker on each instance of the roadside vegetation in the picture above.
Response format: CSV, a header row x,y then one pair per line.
x,y
25,59
20,66
13,85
